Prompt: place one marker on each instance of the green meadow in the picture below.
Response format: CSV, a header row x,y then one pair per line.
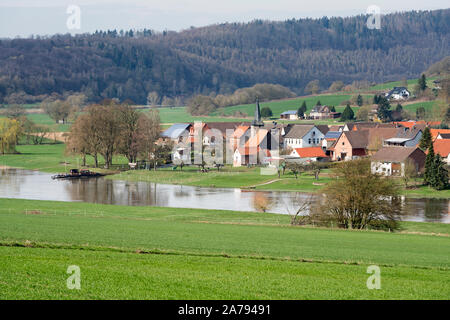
x,y
280,106
171,253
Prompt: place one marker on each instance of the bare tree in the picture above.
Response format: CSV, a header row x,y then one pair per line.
x,y
358,199
152,99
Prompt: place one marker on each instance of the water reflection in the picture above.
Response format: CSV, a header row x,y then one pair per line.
x,y
24,184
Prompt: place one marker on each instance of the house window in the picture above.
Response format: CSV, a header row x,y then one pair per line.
x,y
309,140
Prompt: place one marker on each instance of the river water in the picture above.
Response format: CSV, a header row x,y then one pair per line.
x,y
35,185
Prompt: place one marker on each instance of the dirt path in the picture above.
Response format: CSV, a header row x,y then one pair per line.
x,y
262,184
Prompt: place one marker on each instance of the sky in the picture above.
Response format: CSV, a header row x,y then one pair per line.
x,y
46,17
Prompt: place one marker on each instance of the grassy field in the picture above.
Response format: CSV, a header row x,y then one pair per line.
x,y
228,177
168,253
280,106
392,84
48,158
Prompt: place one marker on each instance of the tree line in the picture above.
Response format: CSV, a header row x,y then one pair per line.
x,y
221,58
112,129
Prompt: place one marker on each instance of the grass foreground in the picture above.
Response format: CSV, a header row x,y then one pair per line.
x,y
172,253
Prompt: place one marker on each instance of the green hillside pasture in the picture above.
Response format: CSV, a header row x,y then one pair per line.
x,y
179,114
411,83
280,106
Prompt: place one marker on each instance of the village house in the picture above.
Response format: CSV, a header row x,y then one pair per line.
x,y
178,132
323,112
330,138
303,136
398,93
289,115
309,154
258,148
392,161
350,145
406,137
239,137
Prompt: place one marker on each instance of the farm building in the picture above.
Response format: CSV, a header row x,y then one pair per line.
x,y
391,161
289,115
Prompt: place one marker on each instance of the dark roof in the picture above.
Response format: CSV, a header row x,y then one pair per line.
x,y
321,109
396,90
176,130
224,126
323,128
395,154
445,135
358,139
298,131
406,133
333,135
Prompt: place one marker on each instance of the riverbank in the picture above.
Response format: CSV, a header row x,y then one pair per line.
x,y
52,158
159,253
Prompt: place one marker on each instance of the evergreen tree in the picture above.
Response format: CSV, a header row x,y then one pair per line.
x,y
376,99
440,177
332,109
359,100
399,108
384,112
266,112
422,82
318,103
301,111
426,139
420,113
429,165
348,114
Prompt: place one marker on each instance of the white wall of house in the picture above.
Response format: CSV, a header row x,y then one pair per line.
x,y
237,159
313,138
383,168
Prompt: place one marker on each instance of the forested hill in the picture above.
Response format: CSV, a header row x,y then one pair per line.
x,y
221,58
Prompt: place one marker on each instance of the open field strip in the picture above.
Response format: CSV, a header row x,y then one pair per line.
x,y
159,253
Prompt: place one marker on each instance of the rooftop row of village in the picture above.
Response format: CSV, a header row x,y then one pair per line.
x,y
389,145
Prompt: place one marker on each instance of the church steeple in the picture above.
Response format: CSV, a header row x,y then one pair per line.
x,y
257,120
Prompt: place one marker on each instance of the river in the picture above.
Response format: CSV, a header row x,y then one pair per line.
x,y
35,185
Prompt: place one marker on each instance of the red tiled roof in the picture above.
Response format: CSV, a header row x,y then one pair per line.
x,y
442,146
435,132
312,152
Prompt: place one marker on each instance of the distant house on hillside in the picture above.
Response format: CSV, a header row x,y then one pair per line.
x,y
398,93
303,136
391,161
289,115
323,112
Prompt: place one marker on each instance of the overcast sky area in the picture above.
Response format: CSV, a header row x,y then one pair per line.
x,y
46,17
